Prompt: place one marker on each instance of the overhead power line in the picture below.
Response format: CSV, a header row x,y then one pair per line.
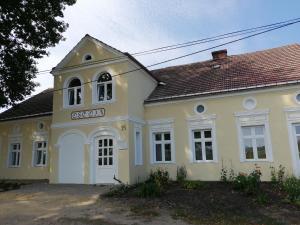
x,y
188,44
186,55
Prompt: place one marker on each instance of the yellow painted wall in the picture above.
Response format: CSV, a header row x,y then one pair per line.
x,y
28,127
226,132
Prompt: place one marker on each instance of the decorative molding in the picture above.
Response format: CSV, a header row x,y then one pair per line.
x,y
160,121
254,118
97,121
249,99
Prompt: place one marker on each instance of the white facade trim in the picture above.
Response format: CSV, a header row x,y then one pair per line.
x,y
83,60
73,131
254,118
224,95
66,88
97,121
293,118
11,140
94,87
138,129
119,144
162,125
196,105
201,122
247,107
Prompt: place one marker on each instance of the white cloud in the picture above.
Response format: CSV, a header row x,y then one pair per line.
x,y
135,26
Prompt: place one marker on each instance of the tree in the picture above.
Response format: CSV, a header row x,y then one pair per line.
x,y
27,29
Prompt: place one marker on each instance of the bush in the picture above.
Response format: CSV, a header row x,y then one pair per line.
x,y
248,183
192,184
160,177
118,190
149,189
277,177
181,174
292,187
155,185
223,174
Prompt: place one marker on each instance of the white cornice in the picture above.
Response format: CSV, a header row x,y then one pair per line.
x,y
97,121
161,121
252,113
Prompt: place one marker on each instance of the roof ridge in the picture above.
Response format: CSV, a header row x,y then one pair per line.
x,y
237,55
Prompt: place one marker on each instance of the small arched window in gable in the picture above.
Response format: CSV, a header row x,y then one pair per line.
x,y
87,57
104,87
74,92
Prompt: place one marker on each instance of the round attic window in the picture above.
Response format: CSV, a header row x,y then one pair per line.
x,y
200,108
40,126
87,57
297,97
249,103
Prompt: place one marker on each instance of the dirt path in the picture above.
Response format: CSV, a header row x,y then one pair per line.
x,y
72,204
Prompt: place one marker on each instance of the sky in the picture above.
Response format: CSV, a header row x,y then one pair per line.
x,y
137,25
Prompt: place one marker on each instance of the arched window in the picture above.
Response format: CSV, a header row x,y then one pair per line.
x,y
104,87
74,92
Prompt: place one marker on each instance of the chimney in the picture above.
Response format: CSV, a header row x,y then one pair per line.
x,y
220,54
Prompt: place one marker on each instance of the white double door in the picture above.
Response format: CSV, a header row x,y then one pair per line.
x,y
105,160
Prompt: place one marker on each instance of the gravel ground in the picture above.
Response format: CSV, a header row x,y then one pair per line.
x,y
71,204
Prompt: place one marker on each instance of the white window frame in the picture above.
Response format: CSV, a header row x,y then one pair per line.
x,y
161,126
95,84
138,146
66,92
249,119
293,118
41,136
15,139
202,122
35,149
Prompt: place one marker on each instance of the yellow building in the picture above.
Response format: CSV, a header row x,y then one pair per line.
x,y
110,117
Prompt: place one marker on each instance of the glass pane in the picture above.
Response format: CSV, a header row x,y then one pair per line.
x,y
167,152
100,90
13,158
38,157
200,108
100,162
248,149
105,142
297,129
110,142
158,152
100,143
198,151
44,157
259,130
45,144
246,131
158,137
39,144
207,134
110,162
298,142
105,152
167,136
105,161
261,150
197,134
78,99
71,96
18,158
109,91
208,150
110,151
100,152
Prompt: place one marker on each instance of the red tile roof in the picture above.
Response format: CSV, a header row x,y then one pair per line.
x,y
260,69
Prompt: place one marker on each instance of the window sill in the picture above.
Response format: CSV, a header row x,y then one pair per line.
x,y
13,166
104,102
73,106
204,161
256,161
163,162
39,166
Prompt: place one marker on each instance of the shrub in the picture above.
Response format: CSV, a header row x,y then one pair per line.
x,y
223,174
118,190
292,187
277,177
248,183
155,185
181,174
160,177
192,184
149,189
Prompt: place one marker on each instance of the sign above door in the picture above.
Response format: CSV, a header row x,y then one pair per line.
x,y
86,114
